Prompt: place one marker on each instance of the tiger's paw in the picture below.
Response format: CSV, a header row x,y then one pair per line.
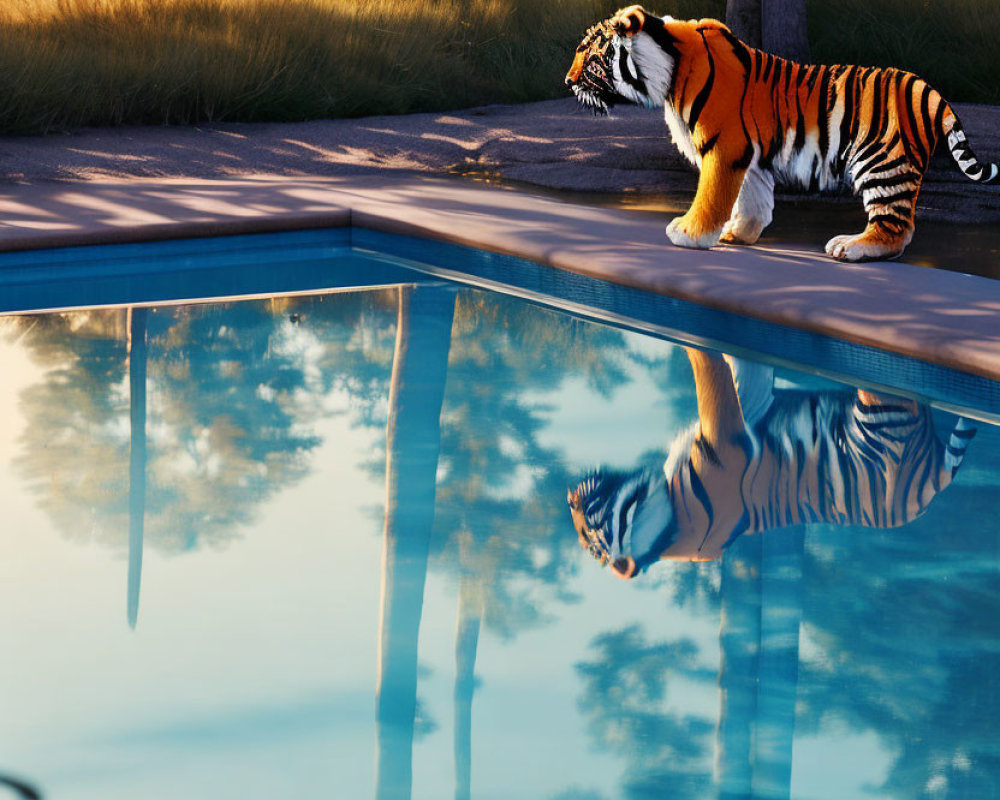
x,y
861,248
677,233
742,230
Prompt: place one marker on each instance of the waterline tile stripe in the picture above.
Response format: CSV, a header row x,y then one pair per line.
x,y
690,323
261,264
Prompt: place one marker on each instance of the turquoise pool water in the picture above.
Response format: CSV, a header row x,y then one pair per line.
x,y
318,545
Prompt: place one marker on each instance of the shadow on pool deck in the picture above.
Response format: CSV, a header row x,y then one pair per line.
x,y
809,222
625,161
552,145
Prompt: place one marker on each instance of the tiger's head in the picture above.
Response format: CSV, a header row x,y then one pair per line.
x,y
618,60
623,519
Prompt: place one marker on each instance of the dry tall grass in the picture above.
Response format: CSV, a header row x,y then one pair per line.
x,y
950,43
69,63
66,63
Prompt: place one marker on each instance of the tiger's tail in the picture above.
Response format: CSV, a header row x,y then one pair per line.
x,y
958,146
954,450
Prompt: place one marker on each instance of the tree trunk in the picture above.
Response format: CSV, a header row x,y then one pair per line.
x,y
137,357
780,613
739,640
413,441
777,26
783,29
744,19
470,614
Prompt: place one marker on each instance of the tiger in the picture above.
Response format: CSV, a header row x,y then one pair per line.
x,y
758,459
747,119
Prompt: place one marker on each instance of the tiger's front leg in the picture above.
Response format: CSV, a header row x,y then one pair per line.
x,y
718,188
753,210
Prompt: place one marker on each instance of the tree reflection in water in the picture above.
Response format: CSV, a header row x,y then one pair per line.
x,y
875,662
495,478
231,394
911,651
234,392
413,442
624,687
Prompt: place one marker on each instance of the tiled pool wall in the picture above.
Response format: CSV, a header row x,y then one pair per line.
x,y
353,257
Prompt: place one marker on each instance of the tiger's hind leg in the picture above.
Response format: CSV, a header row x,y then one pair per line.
x,y
890,201
878,241
753,210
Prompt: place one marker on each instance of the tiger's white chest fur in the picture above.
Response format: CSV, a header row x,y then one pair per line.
x,y
657,70
680,134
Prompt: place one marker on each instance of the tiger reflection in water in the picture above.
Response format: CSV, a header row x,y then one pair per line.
x,y
758,459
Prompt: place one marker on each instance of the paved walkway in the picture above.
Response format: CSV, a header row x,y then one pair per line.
x,y
553,144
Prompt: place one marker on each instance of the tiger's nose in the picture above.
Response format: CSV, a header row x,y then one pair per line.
x,y
624,568
574,72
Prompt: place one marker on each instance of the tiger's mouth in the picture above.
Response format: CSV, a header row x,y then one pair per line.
x,y
597,547
593,101
593,89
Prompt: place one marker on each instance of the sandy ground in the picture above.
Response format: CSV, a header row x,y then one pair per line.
x,y
553,145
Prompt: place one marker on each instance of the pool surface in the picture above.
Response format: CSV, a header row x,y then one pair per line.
x,y
314,541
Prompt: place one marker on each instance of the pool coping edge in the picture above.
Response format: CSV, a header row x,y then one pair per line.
x,y
884,305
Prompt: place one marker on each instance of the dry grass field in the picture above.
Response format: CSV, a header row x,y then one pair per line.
x,y
950,43
71,63
67,63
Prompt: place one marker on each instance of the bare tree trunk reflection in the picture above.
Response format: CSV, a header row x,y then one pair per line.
x,y
761,612
470,615
137,358
740,644
781,613
413,440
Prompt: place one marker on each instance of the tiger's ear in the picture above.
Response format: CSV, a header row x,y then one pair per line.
x,y
629,21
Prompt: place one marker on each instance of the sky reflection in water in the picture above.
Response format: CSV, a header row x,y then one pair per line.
x,y
855,662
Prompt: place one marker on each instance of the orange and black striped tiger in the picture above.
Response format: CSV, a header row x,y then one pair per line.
x,y
760,458
746,118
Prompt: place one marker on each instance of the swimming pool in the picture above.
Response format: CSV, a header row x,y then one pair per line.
x,y
311,538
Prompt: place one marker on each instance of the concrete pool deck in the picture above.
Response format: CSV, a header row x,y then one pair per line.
x,y
943,317
164,183
552,145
